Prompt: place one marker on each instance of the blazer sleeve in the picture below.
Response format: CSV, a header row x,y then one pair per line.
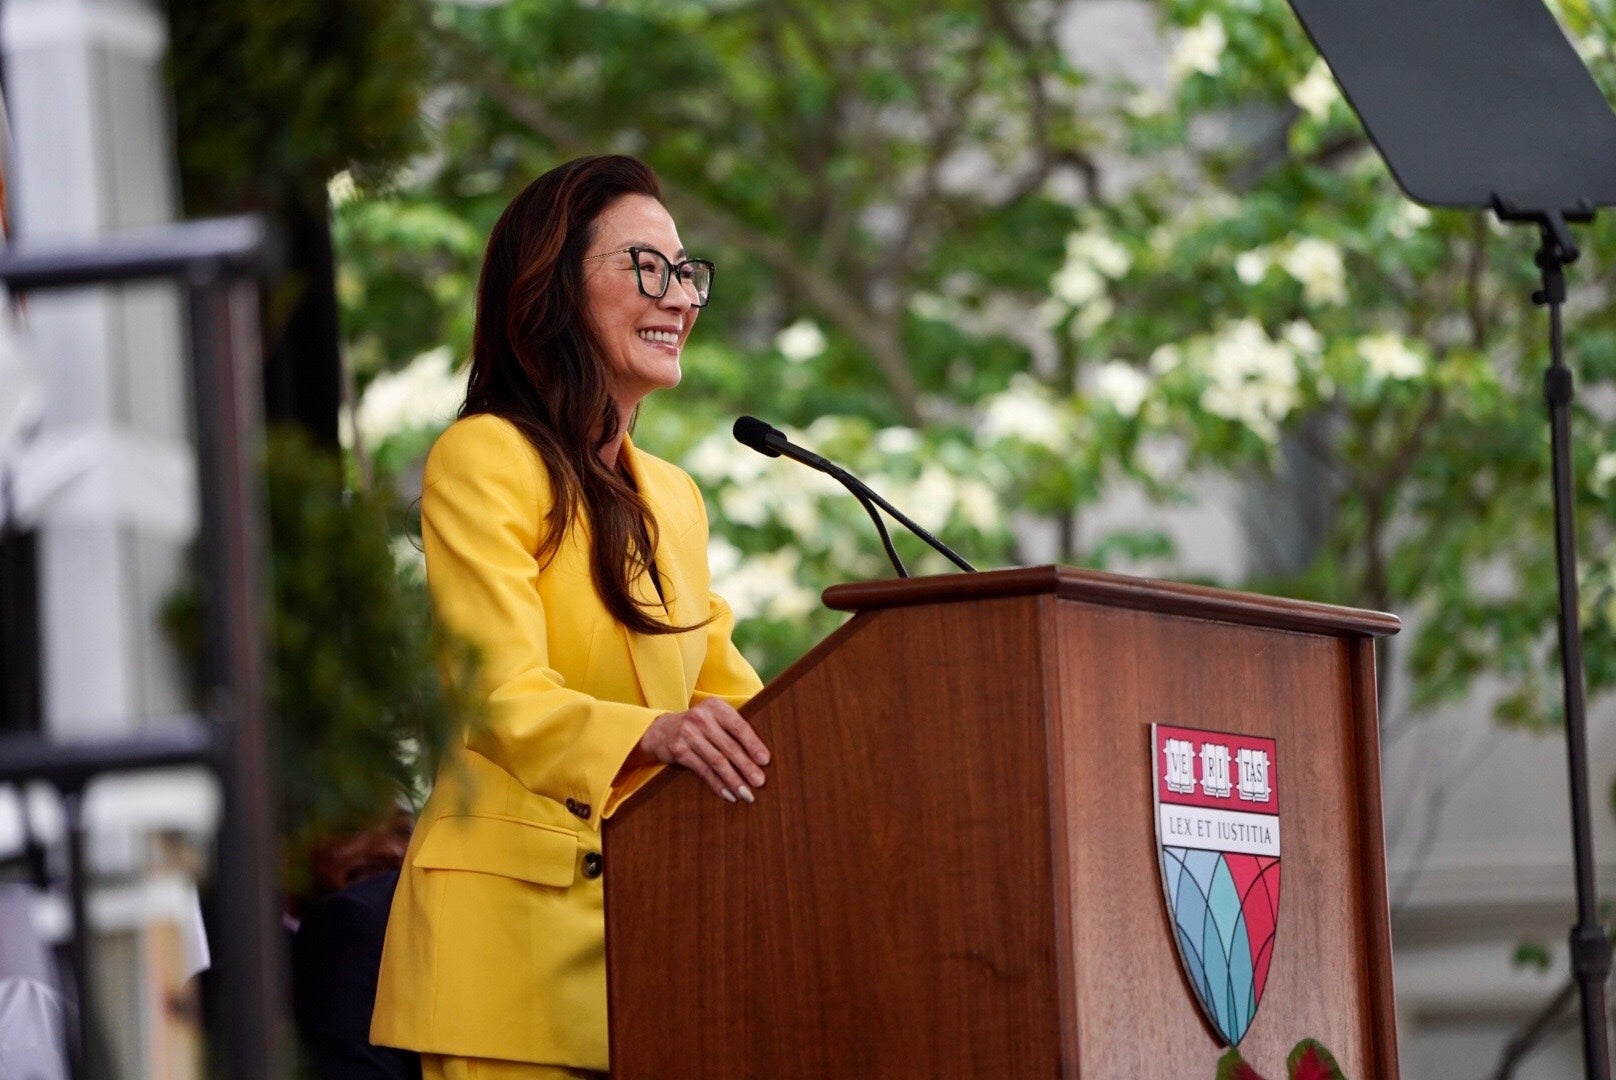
x,y
483,502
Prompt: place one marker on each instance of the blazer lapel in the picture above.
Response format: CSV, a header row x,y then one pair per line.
x,y
658,662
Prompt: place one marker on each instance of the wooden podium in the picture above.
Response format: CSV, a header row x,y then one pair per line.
x,y
953,870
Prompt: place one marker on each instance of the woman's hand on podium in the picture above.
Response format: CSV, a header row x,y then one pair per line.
x,y
713,741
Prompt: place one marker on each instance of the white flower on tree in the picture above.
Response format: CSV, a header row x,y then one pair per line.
x,y
1317,264
1097,250
1122,386
1164,359
935,308
1317,91
1093,315
745,504
800,514
407,557
802,340
1252,266
1250,378
1080,283
1389,356
1408,219
1145,104
1024,411
1077,283
1303,337
1592,47
425,393
1050,312
719,457
341,190
762,584
932,497
1603,472
1199,49
723,557
979,505
897,440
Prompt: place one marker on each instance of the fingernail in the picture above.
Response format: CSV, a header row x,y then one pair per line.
x,y
758,779
728,794
746,793
763,759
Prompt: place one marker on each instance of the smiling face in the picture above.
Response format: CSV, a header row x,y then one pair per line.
x,y
640,337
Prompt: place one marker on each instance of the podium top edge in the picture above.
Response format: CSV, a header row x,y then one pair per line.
x,y
1117,590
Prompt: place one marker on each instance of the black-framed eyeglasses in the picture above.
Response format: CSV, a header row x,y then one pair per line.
x,y
653,272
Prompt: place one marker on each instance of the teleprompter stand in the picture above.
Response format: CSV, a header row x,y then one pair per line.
x,y
1488,106
1590,949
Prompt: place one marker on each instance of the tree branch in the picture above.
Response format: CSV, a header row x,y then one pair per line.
x,y
1376,493
948,121
1516,1050
822,290
1475,281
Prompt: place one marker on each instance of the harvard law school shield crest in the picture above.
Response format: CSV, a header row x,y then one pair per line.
x,y
1217,833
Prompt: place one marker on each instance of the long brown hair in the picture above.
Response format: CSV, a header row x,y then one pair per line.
x,y
536,362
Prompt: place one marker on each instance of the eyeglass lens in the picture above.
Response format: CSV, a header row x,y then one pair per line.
x,y
655,271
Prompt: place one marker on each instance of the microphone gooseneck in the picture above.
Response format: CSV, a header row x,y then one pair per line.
x,y
768,440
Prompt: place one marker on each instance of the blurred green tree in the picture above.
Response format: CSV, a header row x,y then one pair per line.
x,y
847,167
1011,290
843,158
271,99
361,715
1288,313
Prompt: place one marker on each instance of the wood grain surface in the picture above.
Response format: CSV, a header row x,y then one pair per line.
x,y
1121,671
884,908
952,870
1117,590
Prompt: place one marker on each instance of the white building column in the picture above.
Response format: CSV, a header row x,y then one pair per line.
x,y
110,482
93,153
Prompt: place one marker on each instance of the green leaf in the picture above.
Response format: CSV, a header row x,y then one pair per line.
x,y
1533,955
1231,1066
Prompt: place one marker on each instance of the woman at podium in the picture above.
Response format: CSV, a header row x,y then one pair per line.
x,y
576,564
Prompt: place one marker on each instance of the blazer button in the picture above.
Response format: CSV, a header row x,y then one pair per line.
x,y
578,809
594,866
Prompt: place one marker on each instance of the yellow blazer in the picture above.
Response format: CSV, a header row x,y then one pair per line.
x,y
496,941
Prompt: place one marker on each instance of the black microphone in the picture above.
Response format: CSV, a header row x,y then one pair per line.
x,y
772,442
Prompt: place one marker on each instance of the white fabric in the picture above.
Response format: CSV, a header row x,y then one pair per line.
x,y
31,1031
23,953
32,1021
99,474
195,957
22,401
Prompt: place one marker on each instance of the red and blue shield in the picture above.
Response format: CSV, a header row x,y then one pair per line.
x,y
1217,832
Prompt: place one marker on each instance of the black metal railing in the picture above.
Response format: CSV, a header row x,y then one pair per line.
x,y
216,264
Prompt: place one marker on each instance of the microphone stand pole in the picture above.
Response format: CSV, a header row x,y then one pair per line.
x,y
1590,947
